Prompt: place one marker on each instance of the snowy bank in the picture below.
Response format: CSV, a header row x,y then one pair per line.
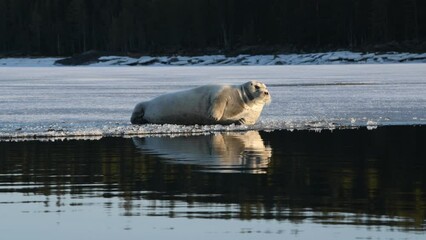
x,y
341,57
28,62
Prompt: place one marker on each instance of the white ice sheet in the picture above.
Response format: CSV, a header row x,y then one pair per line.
x,y
92,101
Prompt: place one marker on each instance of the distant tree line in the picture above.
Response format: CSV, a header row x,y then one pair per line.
x,y
66,27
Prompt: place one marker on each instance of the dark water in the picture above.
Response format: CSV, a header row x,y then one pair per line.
x,y
347,184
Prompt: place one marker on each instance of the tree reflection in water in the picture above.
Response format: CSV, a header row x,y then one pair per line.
x,y
330,177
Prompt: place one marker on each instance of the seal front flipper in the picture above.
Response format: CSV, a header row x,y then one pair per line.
x,y
240,121
217,108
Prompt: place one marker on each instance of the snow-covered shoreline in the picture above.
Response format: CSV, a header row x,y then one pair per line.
x,y
28,62
340,57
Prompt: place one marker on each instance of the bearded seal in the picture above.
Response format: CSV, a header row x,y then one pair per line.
x,y
206,105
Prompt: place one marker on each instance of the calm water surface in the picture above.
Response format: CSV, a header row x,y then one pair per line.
x,y
341,184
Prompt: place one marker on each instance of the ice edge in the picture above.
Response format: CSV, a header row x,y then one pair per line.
x,y
170,130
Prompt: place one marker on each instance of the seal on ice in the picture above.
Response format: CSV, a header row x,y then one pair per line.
x,y
208,104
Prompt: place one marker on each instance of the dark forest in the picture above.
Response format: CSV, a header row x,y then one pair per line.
x,y
67,27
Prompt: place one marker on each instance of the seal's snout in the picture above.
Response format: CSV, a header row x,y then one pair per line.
x,y
267,97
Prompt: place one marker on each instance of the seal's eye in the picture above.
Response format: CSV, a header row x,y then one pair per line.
x,y
257,87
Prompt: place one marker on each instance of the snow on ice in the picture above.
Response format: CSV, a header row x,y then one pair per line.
x,y
339,57
342,57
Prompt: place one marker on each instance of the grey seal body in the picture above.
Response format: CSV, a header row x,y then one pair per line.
x,y
208,104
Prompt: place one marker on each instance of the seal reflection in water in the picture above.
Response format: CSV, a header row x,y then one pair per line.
x,y
209,104
223,152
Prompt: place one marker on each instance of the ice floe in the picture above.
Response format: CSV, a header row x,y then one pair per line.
x,y
83,102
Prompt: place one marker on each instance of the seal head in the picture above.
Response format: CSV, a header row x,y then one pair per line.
x,y
255,92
